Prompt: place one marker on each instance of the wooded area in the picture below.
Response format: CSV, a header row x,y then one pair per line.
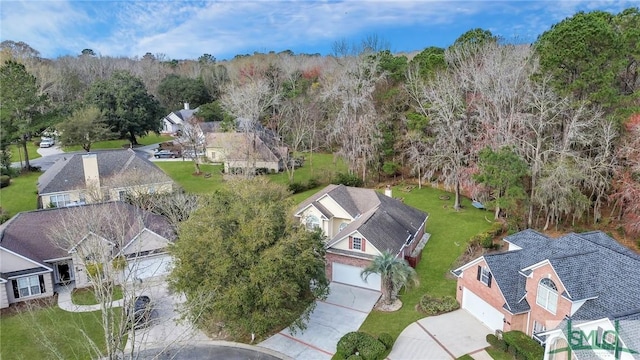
x,y
547,133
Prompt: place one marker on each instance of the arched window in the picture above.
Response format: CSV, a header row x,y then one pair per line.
x,y
547,295
342,226
312,222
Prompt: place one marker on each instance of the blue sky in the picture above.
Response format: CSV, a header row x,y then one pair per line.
x,y
188,29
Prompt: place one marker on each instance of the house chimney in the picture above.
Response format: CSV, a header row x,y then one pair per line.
x,y
387,191
90,167
186,106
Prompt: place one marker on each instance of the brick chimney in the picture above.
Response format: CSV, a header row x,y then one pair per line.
x,y
90,167
387,191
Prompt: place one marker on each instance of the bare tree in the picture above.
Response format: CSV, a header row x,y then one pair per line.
x,y
192,141
349,88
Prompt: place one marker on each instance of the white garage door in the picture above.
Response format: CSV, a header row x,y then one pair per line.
x,y
350,275
482,310
146,267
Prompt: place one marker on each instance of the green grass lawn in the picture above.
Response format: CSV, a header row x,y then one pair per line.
x,y
182,173
50,333
17,153
119,144
21,195
450,231
87,296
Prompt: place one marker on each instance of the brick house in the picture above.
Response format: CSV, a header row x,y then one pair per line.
x,y
359,225
540,281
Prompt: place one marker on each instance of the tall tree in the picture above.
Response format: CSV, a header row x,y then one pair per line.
x,y
174,90
22,105
243,262
626,194
84,127
129,109
394,273
503,172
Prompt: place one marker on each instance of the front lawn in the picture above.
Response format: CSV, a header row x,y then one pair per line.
x,y
87,296
21,195
122,143
17,152
450,231
50,333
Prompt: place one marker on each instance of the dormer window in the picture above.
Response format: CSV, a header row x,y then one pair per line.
x,y
312,222
342,226
547,295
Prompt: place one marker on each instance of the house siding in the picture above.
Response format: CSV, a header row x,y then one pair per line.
x,y
4,301
333,207
11,262
48,286
347,260
369,249
538,313
491,295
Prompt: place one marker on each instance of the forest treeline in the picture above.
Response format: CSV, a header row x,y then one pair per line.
x,y
546,133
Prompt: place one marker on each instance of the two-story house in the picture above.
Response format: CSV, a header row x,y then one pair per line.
x,y
98,176
541,281
359,225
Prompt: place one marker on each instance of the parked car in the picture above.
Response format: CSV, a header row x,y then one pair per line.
x,y
47,142
141,311
193,154
166,154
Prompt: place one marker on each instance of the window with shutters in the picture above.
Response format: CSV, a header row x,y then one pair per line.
x,y
28,286
357,243
485,276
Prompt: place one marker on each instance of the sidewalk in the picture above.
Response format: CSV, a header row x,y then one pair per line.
x,y
65,303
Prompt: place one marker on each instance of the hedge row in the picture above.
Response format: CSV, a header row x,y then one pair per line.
x,y
518,344
298,187
485,239
358,345
435,306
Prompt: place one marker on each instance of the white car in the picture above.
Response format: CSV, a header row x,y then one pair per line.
x,y
47,142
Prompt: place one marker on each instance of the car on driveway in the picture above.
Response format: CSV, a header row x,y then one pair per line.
x,y
166,154
47,142
141,312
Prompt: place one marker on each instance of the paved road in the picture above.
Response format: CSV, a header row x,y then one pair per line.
x,y
201,352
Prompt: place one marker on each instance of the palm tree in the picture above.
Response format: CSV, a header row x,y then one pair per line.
x,y
395,274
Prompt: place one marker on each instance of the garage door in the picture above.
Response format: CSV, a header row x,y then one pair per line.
x,y
350,275
482,310
146,267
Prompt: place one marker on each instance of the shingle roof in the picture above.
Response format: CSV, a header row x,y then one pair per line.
x,y
590,265
385,222
238,146
68,173
30,233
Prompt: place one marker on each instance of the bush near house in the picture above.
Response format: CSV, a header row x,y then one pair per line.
x,y
522,345
5,181
431,305
363,346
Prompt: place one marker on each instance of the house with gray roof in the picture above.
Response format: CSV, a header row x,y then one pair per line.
x,y
43,249
541,281
103,175
359,225
245,151
173,122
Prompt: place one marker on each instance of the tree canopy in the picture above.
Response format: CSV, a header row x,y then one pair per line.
x,y
174,90
129,109
242,261
84,127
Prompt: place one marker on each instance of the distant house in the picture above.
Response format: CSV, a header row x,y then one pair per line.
x,y
33,262
173,122
359,225
541,281
240,151
99,176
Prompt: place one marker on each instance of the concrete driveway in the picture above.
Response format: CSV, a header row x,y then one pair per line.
x,y
343,311
446,336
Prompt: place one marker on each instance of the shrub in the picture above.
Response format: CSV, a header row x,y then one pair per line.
x,y
5,181
521,344
348,180
434,306
313,183
119,262
348,344
4,216
370,348
496,342
367,347
296,187
386,340
355,357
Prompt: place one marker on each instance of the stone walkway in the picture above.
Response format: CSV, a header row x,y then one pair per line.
x,y
65,303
